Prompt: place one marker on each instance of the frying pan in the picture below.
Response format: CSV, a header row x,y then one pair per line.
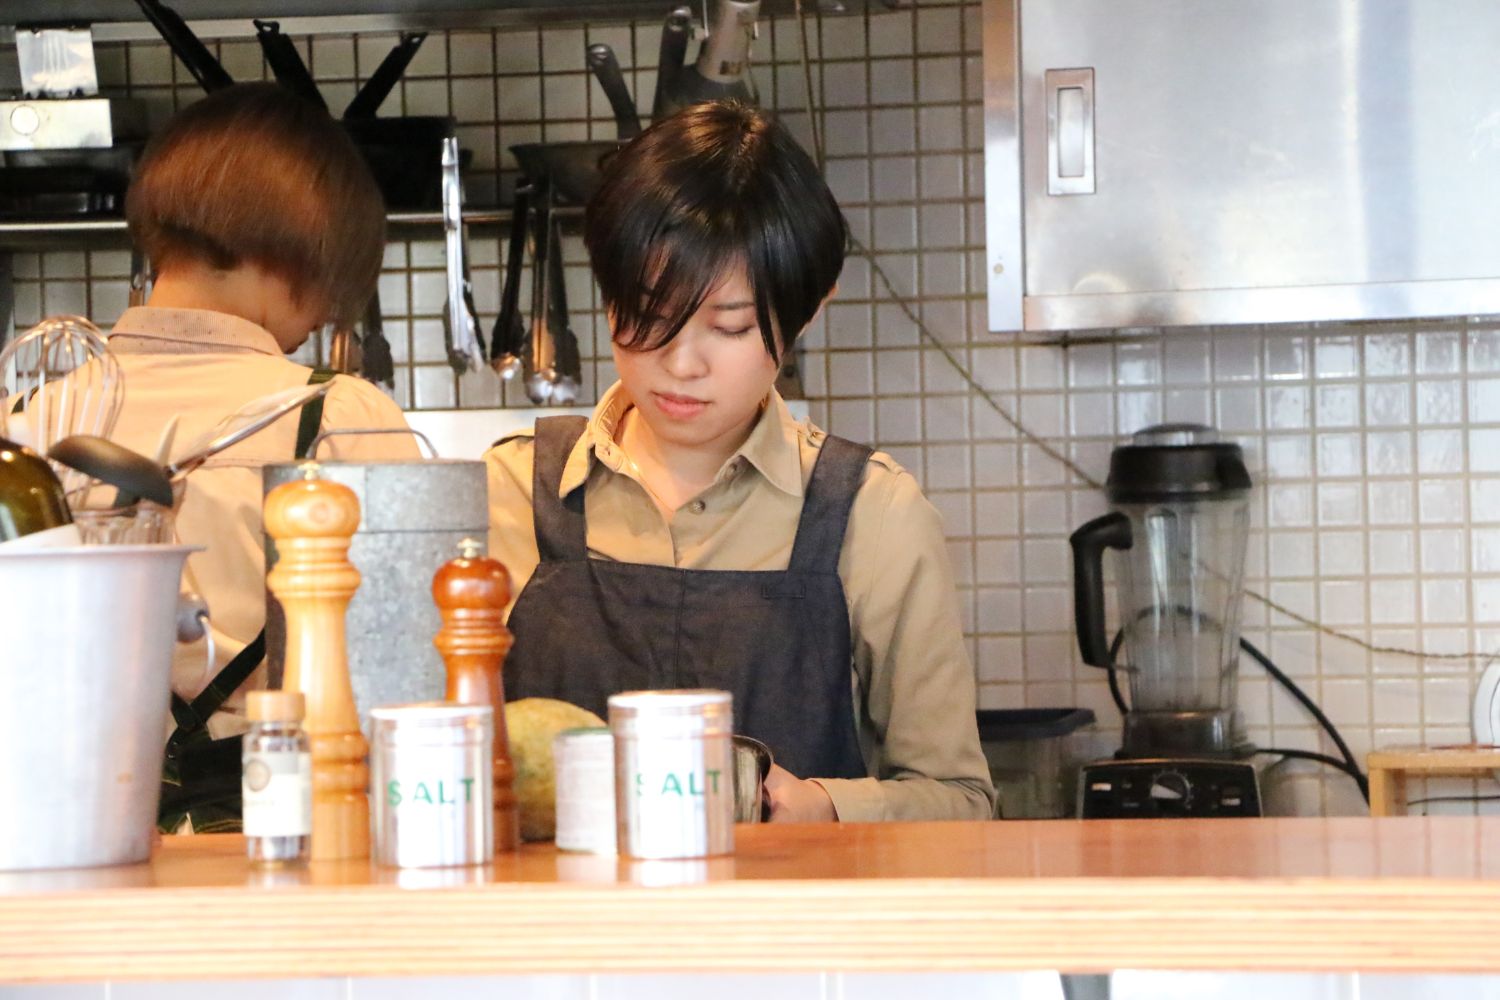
x,y
286,62
670,59
572,168
179,37
601,59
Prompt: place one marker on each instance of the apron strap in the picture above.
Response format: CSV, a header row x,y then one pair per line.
x,y
836,478
312,413
561,532
192,716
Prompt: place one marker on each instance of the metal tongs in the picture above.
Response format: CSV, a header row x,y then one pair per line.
x,y
461,319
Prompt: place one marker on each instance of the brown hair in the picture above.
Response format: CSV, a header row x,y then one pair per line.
x,y
254,173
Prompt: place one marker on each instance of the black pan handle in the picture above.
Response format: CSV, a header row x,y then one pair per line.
x,y
606,69
185,45
286,62
1109,531
378,87
669,63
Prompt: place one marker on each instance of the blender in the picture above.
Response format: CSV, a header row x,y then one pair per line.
x,y
1179,519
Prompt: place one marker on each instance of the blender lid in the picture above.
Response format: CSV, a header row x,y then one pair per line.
x,y
1176,462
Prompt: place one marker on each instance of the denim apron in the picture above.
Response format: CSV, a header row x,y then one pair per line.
x,y
778,640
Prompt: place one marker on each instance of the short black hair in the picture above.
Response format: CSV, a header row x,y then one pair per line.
x,y
712,187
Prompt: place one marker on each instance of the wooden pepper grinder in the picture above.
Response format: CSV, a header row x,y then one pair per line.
x,y
312,521
471,593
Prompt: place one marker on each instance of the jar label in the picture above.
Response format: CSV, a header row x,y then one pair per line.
x,y
277,789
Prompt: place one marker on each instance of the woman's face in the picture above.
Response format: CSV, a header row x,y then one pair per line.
x,y
705,387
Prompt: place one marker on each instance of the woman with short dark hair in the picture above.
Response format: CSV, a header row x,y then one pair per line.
x,y
693,534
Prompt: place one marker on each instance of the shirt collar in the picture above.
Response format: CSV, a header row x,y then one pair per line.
x,y
771,448
194,330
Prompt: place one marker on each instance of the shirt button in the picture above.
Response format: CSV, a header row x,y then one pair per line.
x,y
697,506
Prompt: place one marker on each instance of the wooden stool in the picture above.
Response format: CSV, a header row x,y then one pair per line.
x,y
1389,769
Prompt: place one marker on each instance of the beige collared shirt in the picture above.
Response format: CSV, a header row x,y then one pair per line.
x,y
202,366
914,686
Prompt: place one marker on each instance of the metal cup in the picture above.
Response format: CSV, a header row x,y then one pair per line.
x,y
752,765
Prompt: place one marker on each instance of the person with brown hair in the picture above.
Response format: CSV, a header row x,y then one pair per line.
x,y
262,224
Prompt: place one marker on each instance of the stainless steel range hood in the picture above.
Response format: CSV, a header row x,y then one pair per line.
x,y
1176,162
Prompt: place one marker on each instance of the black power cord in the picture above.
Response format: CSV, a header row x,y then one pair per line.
x,y
1350,765
1345,762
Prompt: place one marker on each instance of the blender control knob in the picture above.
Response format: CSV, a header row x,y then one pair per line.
x,y
1171,789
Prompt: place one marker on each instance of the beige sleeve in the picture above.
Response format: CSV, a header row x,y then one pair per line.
x,y
918,684
354,404
512,531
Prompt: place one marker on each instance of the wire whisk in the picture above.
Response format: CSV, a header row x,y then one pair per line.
x,y
59,379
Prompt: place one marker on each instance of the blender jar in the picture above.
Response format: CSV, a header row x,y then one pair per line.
x,y
1180,517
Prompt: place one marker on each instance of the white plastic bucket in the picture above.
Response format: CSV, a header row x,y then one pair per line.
x,y
86,639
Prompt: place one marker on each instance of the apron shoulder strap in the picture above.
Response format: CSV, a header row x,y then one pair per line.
x,y
312,413
193,716
561,533
836,478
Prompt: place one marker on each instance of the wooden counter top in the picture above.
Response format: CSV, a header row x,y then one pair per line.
x,y
1400,894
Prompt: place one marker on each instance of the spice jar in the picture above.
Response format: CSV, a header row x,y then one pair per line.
x,y
674,773
276,778
585,762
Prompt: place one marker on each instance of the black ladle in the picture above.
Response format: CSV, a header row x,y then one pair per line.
x,y
133,474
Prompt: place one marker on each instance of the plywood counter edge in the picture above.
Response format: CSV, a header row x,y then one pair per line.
x,y
852,921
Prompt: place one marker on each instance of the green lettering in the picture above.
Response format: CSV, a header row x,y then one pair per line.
x,y
713,777
468,784
422,794
640,784
442,794
393,793
671,784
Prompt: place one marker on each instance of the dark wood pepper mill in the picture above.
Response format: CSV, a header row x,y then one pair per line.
x,y
471,593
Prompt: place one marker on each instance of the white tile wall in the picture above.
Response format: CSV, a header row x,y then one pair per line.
x,y
1377,446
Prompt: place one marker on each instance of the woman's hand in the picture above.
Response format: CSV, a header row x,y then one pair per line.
x,y
794,800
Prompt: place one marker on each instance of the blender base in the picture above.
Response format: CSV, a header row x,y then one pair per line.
x,y
1201,733
1168,788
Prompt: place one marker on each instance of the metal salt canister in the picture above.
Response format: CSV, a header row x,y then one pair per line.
x,y
674,773
585,760
431,797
